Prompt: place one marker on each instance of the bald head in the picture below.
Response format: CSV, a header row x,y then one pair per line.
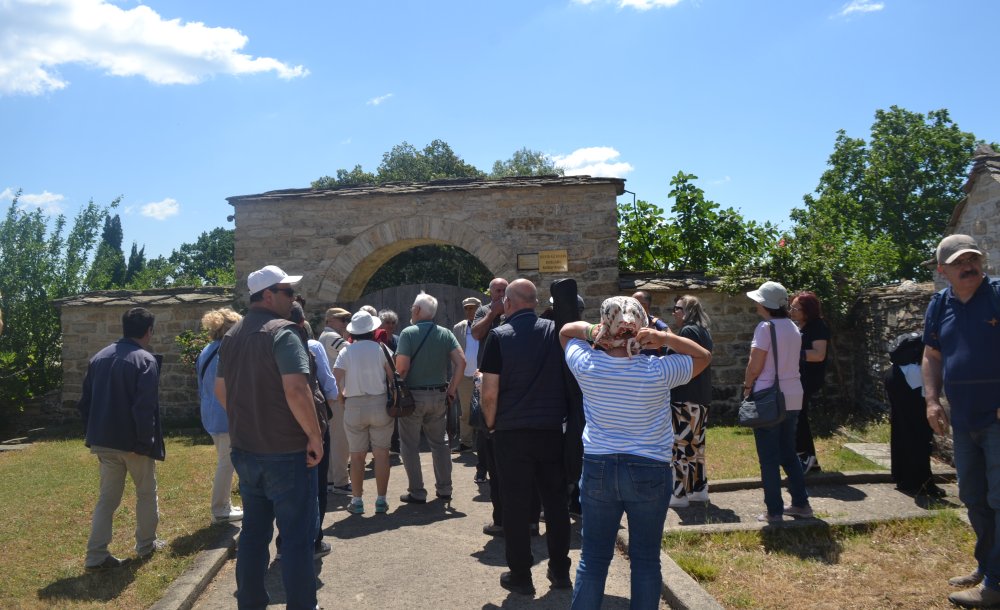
x,y
521,294
498,286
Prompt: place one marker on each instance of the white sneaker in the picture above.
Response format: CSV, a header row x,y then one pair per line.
x,y
679,501
235,514
699,496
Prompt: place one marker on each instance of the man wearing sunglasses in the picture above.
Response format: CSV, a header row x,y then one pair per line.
x,y
962,356
276,438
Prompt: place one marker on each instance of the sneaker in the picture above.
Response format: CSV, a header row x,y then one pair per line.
x,y
340,490
969,580
410,499
322,549
158,545
492,529
976,597
699,496
769,518
235,514
559,582
110,563
381,506
524,586
679,501
480,479
809,463
805,512
356,508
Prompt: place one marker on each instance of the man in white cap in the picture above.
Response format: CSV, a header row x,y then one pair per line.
x,y
962,355
276,438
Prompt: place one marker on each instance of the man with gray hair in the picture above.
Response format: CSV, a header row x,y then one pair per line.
x,y
962,355
425,351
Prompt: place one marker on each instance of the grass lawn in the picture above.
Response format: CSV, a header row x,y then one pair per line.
x,y
902,564
47,497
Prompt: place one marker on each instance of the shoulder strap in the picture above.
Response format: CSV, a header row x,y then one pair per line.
x,y
429,329
774,352
937,302
208,361
385,350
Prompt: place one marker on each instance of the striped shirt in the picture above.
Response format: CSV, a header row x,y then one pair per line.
x,y
626,401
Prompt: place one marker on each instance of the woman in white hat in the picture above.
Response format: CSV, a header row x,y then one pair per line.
x,y
362,372
776,444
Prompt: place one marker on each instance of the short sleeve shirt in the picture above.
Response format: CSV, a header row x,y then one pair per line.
x,y
789,346
430,367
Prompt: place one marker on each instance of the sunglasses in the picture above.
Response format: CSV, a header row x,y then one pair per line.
x,y
288,291
678,308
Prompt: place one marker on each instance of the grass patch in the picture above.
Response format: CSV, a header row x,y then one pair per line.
x,y
47,497
900,564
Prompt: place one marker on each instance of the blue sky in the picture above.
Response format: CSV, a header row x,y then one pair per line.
x,y
177,105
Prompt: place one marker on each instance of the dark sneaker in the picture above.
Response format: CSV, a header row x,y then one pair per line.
x,y
524,586
340,490
492,529
805,512
158,545
409,499
559,582
977,597
322,549
480,479
110,563
968,580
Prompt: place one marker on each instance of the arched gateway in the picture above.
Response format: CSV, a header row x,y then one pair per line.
x,y
540,228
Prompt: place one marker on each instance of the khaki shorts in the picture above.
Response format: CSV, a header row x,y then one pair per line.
x,y
367,423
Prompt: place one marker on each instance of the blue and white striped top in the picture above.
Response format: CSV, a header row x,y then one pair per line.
x,y
627,400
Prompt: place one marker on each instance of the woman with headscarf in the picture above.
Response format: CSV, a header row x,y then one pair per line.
x,y
627,442
689,404
776,444
213,417
808,316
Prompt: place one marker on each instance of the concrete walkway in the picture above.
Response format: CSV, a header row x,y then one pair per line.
x,y
436,554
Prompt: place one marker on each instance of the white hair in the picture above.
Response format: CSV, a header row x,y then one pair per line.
x,y
426,303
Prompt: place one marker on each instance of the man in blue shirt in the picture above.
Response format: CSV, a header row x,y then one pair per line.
x,y
962,354
121,413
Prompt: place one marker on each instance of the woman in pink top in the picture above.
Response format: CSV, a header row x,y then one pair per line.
x,y
776,444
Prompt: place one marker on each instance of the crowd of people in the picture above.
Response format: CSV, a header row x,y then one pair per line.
x,y
295,418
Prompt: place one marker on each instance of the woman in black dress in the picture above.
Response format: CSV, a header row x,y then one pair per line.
x,y
807,314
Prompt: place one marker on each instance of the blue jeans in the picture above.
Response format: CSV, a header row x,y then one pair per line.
x,y
776,447
611,485
276,487
977,462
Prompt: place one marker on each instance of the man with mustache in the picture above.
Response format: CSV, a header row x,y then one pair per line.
x,y
962,354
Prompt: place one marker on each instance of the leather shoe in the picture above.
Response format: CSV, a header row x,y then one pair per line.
x,y
110,562
976,597
967,580
559,582
524,586
409,499
445,497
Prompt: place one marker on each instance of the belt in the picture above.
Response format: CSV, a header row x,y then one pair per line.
x,y
439,388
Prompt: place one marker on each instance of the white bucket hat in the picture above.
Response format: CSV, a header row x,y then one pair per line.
x,y
770,294
362,323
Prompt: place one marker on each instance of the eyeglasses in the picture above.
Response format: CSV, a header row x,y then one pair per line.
x,y
793,308
288,291
678,308
972,259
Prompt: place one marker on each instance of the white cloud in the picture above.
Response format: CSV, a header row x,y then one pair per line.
x,y
161,210
38,36
50,203
593,161
861,6
375,101
723,180
639,5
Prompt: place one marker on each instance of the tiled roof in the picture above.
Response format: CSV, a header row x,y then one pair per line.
x,y
206,295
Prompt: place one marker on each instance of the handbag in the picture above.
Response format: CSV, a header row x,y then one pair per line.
x,y
399,399
766,407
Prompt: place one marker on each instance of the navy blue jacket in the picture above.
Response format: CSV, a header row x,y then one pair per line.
x,y
120,404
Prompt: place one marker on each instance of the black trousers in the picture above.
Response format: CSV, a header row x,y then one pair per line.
x,y
531,462
489,457
803,433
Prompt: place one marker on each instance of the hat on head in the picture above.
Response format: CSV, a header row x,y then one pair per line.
x,y
471,301
337,312
953,246
771,295
363,322
269,276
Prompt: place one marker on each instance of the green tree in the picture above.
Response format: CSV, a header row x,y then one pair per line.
x,y
158,272
432,264
209,260
355,177
108,269
404,163
902,185
525,162
136,263
646,241
39,262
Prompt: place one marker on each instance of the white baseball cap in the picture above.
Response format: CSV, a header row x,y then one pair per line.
x,y
269,276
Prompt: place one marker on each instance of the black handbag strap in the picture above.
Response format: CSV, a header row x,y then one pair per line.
x,y
385,350
774,352
208,361
429,329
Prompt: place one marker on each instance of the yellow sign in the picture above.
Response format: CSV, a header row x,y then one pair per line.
x,y
553,261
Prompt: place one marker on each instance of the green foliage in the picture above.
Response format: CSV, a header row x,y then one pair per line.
x,y
209,259
191,343
108,269
646,241
432,264
525,162
355,177
38,263
136,263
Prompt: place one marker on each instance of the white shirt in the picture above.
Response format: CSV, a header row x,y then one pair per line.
x,y
364,373
471,351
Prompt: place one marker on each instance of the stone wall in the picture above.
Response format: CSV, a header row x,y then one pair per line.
x,y
978,214
92,321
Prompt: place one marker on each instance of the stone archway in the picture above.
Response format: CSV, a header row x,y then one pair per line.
x,y
338,238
